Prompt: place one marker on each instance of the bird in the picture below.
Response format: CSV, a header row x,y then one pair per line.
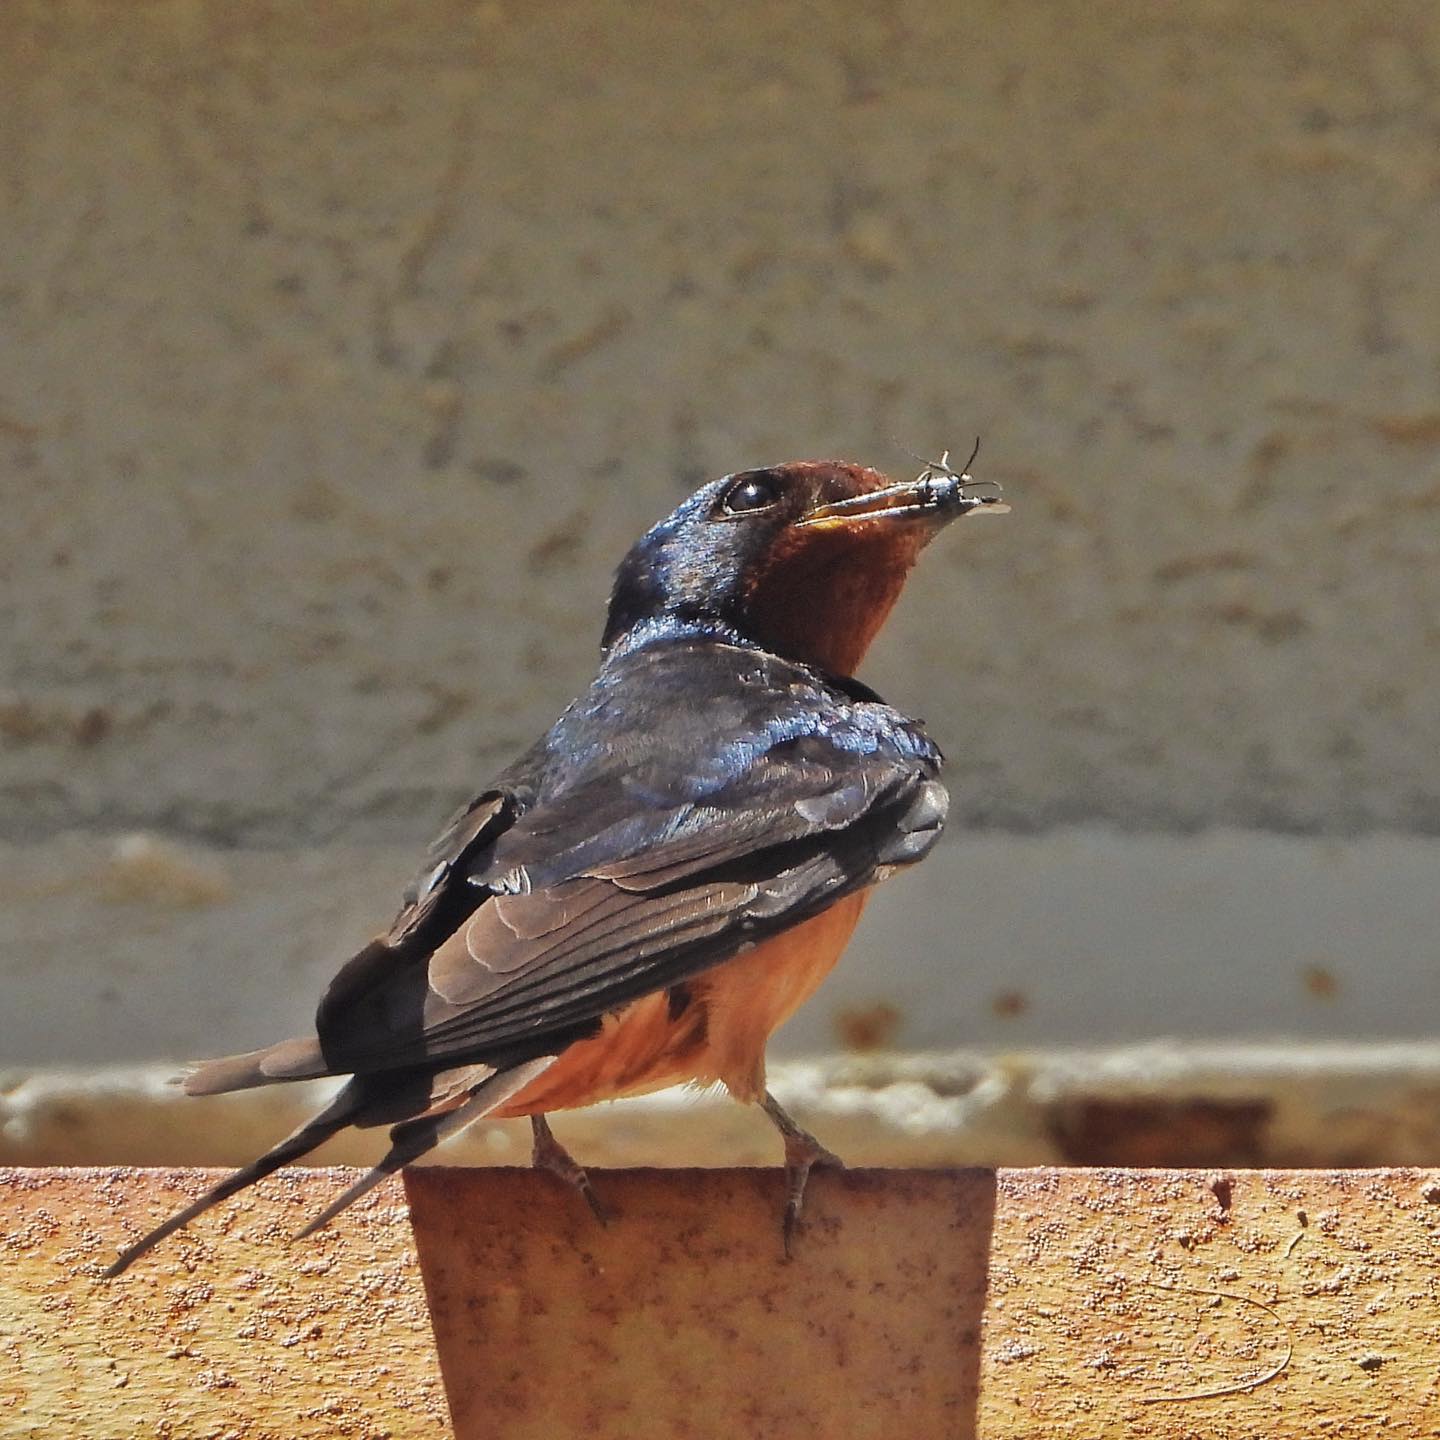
x,y
669,871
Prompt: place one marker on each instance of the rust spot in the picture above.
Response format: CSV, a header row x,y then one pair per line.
x,y
1269,451
1186,567
1320,982
21,722
18,429
496,470
867,1027
560,547
1266,457
92,727
445,705
1160,1132
1009,1004
1223,1190
608,326
317,503
1274,627
24,722
1419,430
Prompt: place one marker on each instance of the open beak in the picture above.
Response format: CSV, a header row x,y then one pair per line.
x,y
932,497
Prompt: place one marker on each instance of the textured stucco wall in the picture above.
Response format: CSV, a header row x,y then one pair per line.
x,y
344,348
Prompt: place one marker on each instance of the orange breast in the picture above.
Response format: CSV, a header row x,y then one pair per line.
x,y
719,1034
748,998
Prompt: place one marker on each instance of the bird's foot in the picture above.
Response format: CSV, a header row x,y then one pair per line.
x,y
802,1153
549,1154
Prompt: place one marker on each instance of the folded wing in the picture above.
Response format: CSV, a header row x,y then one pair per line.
x,y
559,941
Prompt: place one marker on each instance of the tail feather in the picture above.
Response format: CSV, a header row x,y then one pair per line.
x,y
412,1138
338,1114
298,1059
365,1100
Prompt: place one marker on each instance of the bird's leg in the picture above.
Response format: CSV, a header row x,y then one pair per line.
x,y
549,1154
802,1152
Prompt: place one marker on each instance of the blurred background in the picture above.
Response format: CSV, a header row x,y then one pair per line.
x,y
345,348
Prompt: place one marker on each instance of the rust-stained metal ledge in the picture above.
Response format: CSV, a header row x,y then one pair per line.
x,y
928,1303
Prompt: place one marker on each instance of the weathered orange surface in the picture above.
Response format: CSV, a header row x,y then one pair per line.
x,y
1029,1303
227,1330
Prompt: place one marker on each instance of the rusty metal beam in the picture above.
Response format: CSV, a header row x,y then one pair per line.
x,y
945,1303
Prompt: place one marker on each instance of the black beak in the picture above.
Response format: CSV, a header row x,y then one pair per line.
x,y
935,497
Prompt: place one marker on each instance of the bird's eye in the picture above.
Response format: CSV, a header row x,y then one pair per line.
x,y
752,492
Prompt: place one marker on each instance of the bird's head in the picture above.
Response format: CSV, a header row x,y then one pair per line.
x,y
804,559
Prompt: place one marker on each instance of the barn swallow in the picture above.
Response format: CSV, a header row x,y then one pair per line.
x,y
672,868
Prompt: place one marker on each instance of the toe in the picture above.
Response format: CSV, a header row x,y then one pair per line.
x,y
598,1208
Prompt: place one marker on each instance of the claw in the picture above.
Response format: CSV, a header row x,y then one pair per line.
x,y
802,1153
549,1154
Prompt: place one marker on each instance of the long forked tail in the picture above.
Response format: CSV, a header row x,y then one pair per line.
x,y
339,1113
358,1103
410,1140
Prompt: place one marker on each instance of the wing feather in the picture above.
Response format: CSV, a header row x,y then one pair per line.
x,y
545,912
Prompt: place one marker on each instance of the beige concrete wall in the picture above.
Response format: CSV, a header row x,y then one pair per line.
x,y
347,346
344,348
